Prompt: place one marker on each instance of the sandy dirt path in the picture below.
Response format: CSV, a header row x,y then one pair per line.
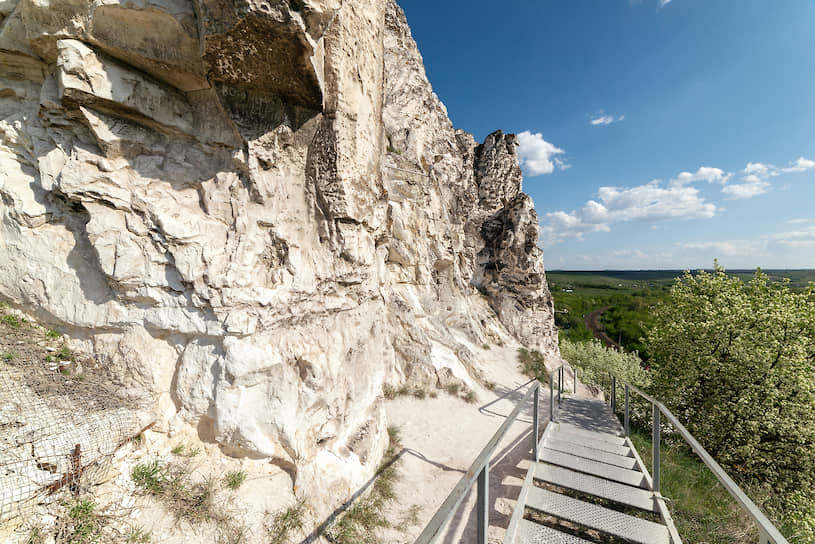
x,y
441,438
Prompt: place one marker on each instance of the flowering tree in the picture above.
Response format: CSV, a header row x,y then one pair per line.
x,y
736,362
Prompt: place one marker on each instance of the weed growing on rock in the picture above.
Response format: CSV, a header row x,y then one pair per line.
x,y
533,364
281,524
184,451
81,525
9,355
11,321
137,535
234,479
470,397
409,518
188,499
53,334
65,354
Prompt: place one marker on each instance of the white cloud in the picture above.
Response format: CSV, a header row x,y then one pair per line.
x,y
754,181
663,3
753,186
756,176
804,238
797,221
800,165
705,173
606,120
537,156
758,169
648,203
730,248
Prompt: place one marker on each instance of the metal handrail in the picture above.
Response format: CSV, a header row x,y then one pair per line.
x,y
768,534
480,470
554,411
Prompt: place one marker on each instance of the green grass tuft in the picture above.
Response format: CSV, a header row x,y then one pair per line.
x,y
137,535
282,523
234,479
533,364
11,321
85,528
9,355
53,334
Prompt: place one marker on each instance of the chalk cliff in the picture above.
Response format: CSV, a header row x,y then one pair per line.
x,y
256,214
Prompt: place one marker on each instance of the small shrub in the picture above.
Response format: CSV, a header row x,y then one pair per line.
x,y
53,334
470,397
234,479
11,321
453,389
485,347
419,393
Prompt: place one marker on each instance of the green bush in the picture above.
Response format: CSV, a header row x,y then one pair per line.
x,y
594,362
735,362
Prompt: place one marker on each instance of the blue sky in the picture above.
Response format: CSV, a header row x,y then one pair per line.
x,y
654,135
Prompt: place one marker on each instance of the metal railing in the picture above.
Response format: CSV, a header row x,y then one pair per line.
x,y
768,534
554,410
480,469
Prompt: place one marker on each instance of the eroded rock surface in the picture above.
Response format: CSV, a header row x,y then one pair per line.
x,y
257,213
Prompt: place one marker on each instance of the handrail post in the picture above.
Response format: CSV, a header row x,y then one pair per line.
x,y
483,501
535,421
552,396
655,446
627,429
614,394
559,385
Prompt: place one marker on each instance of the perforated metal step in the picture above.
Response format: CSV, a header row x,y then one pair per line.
x,y
592,440
598,518
601,436
559,438
533,533
604,470
594,455
599,487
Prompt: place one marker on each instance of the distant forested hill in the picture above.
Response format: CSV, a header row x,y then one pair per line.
x,y
626,298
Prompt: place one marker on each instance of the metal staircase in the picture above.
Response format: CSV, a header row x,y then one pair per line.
x,y
588,479
586,482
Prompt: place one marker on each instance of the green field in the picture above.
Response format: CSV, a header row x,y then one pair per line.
x,y
628,296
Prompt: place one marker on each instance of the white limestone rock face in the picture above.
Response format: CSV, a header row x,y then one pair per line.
x,y
257,214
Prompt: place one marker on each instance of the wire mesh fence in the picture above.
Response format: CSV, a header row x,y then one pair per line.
x,y
58,434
